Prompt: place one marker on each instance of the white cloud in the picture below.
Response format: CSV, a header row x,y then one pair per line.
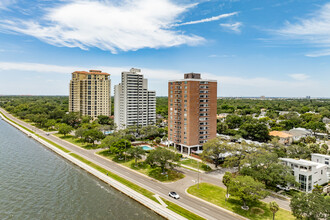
x,y
127,25
214,18
320,53
5,3
235,27
158,79
313,30
36,67
299,76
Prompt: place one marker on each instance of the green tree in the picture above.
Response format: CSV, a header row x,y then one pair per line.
x,y
120,147
318,188
112,138
316,126
64,129
310,206
136,152
273,206
226,179
86,119
92,135
238,153
40,119
158,140
265,167
213,149
50,123
234,121
79,133
255,132
150,131
103,120
222,128
247,189
298,151
163,158
72,119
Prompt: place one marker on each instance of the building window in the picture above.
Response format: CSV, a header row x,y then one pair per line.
x,y
310,183
302,181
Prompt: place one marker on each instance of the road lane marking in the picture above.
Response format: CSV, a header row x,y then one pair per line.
x,y
205,208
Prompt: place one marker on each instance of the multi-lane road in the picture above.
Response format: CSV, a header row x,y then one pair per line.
x,y
192,204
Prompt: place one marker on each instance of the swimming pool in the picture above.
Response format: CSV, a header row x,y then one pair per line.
x,y
146,147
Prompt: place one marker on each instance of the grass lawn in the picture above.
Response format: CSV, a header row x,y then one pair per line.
x,y
216,195
194,164
183,212
141,167
76,141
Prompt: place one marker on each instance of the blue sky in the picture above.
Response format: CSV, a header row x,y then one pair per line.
x,y
252,47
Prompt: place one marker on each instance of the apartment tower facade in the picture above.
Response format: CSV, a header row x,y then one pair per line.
x,y
90,93
192,111
134,104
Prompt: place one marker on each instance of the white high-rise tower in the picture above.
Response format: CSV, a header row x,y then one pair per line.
x,y
134,104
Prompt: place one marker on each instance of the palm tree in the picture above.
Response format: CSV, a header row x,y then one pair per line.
x,y
273,206
136,152
226,181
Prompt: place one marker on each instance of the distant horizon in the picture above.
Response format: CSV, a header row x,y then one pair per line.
x,y
243,97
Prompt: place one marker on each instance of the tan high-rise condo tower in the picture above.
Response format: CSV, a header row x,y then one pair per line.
x,y
90,93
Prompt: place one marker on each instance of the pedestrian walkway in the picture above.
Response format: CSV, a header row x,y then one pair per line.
x,y
160,200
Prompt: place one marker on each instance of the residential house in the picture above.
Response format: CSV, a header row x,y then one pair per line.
x,y
285,138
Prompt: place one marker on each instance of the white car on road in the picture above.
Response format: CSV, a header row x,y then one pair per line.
x,y
174,195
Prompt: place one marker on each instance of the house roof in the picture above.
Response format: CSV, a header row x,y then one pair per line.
x,y
280,134
299,132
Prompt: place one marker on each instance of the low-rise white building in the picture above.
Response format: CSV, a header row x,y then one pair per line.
x,y
307,173
324,159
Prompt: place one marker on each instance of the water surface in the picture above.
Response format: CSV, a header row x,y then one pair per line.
x,y
36,183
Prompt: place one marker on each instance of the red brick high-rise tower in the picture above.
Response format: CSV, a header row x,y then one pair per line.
x,y
192,111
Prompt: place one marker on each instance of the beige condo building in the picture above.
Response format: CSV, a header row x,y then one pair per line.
x,y
90,93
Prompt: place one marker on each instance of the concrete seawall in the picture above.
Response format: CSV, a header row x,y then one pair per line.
x,y
159,209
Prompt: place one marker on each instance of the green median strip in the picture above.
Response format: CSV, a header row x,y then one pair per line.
x,y
183,212
55,145
127,183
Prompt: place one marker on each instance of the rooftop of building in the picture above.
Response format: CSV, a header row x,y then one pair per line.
x,y
192,77
303,162
322,155
92,72
133,71
280,134
299,132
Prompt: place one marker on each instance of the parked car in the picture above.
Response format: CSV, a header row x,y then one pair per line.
x,y
286,188
174,195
